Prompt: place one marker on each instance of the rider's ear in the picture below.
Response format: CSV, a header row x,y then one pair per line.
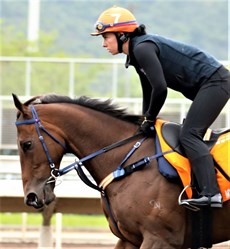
x,y
21,107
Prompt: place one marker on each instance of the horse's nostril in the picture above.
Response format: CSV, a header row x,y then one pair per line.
x,y
32,200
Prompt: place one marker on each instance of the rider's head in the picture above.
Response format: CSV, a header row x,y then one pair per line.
x,y
116,20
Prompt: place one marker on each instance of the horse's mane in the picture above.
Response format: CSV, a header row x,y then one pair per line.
x,y
105,106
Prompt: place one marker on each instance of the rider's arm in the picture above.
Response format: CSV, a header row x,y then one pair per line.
x,y
152,78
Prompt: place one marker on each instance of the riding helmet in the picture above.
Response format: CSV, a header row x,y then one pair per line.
x,y
115,19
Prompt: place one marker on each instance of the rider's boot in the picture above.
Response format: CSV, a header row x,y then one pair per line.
x,y
204,173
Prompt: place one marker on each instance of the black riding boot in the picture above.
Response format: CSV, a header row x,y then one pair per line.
x,y
204,174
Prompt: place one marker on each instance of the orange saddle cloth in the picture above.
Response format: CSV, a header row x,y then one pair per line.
x,y
167,139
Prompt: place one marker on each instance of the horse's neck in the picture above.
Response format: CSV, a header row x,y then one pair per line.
x,y
99,131
88,131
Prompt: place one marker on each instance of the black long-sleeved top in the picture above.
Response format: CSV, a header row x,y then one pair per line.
x,y
162,63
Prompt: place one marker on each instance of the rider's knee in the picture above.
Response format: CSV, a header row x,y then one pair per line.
x,y
188,137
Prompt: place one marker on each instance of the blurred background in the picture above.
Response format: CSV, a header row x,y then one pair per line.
x,y
46,47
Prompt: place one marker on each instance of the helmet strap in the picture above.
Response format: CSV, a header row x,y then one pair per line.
x,y
119,42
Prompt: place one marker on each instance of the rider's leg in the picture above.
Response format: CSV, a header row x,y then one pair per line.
x,y
206,106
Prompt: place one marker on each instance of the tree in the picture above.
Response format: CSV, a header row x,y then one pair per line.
x,y
15,43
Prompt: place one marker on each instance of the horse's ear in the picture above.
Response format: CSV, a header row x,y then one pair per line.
x,y
21,107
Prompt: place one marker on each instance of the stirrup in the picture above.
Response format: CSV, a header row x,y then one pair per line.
x,y
185,203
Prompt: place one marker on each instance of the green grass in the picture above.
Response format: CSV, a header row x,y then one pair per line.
x,y
68,220
85,220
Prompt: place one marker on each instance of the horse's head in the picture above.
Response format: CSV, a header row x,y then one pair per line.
x,y
41,148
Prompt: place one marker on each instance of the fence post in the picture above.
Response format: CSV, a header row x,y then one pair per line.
x,y
71,79
45,238
24,225
58,242
28,78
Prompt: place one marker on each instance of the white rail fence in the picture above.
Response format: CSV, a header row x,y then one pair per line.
x,y
115,70
10,175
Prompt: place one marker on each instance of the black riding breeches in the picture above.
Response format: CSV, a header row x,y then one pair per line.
x,y
207,105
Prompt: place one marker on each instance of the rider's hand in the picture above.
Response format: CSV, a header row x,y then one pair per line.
x,y
147,126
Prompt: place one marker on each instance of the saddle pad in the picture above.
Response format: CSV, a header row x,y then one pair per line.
x,y
219,152
182,166
165,168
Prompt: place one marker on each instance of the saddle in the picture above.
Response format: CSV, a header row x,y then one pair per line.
x,y
176,165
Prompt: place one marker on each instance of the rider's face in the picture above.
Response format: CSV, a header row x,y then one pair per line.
x,y
110,43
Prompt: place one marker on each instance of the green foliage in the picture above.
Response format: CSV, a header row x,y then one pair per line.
x,y
12,78
12,42
15,43
203,23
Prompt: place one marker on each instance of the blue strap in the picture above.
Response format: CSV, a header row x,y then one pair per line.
x,y
84,178
97,153
135,147
118,173
78,165
35,120
25,122
37,126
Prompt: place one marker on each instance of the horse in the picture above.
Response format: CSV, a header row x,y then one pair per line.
x,y
141,208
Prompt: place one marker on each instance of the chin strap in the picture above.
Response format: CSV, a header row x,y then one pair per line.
x,y
121,39
119,43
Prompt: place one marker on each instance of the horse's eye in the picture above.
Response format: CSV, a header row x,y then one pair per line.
x,y
26,145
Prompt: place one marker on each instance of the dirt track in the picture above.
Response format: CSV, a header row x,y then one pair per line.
x,y
85,239
64,246
83,246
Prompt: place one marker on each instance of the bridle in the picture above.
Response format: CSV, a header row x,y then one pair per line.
x,y
55,172
39,127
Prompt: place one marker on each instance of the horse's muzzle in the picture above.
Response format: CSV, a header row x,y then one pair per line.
x,y
33,200
40,197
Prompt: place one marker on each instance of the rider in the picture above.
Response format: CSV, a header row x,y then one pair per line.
x,y
160,63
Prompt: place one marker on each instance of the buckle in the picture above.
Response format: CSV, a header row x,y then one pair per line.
x,y
100,26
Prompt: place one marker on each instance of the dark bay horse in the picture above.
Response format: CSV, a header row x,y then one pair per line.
x,y
144,209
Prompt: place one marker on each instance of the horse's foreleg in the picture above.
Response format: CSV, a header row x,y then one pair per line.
x,y
124,245
46,236
155,243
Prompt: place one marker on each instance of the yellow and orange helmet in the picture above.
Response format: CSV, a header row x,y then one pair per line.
x,y
115,19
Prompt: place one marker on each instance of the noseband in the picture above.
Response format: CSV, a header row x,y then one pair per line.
x,y
35,120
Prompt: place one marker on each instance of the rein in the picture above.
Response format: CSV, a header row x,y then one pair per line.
x,y
120,172
97,153
76,165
